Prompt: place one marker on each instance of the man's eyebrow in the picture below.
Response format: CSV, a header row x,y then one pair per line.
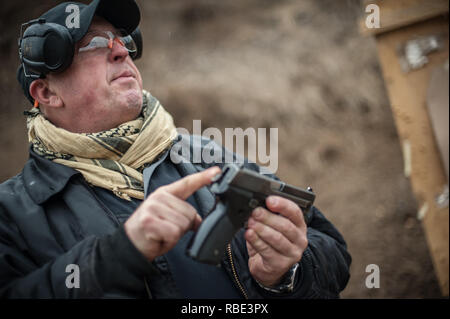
x,y
87,35
93,32
90,33
99,31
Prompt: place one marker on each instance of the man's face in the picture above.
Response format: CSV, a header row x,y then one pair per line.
x,y
101,89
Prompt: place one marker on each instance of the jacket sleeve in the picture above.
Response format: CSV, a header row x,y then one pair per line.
x,y
323,270
102,272
325,265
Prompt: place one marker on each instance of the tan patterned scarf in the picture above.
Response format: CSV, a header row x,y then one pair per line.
x,y
112,159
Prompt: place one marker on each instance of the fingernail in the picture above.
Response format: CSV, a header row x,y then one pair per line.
x,y
213,172
250,222
273,201
257,213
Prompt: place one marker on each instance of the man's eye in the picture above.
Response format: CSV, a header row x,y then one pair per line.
x,y
85,42
82,44
96,42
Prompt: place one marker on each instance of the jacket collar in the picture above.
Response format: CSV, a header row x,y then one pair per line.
x,y
44,178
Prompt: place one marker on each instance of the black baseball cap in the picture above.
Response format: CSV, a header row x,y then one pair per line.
x,y
122,14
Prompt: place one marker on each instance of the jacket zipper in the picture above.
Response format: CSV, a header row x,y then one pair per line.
x,y
241,288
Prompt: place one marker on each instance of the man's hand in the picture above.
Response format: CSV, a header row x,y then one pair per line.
x,y
164,217
275,242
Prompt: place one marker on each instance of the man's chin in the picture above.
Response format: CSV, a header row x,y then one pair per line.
x,y
131,99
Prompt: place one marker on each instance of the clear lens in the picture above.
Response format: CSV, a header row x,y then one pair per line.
x,y
106,41
129,43
96,42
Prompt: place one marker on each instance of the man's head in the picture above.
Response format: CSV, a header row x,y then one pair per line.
x,y
101,88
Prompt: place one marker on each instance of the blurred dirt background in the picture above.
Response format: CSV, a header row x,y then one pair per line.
x,y
300,66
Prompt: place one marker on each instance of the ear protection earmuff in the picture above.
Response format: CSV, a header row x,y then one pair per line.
x,y
48,47
44,48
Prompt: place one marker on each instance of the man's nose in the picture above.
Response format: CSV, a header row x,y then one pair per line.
x,y
118,52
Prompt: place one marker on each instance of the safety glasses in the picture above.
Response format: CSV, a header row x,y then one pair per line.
x,y
107,39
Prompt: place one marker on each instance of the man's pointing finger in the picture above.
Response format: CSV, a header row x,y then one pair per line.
x,y
188,185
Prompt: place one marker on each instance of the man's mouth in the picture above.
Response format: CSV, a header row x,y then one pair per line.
x,y
123,75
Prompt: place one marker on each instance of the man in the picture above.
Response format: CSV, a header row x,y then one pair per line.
x,y
101,196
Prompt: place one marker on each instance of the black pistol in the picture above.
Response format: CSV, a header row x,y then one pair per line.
x,y
238,192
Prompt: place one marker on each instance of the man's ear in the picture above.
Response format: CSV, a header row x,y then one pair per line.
x,y
40,91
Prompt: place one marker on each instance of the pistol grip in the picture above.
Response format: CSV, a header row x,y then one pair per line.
x,y
215,232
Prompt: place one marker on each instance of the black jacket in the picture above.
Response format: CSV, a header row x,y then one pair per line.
x,y
50,218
